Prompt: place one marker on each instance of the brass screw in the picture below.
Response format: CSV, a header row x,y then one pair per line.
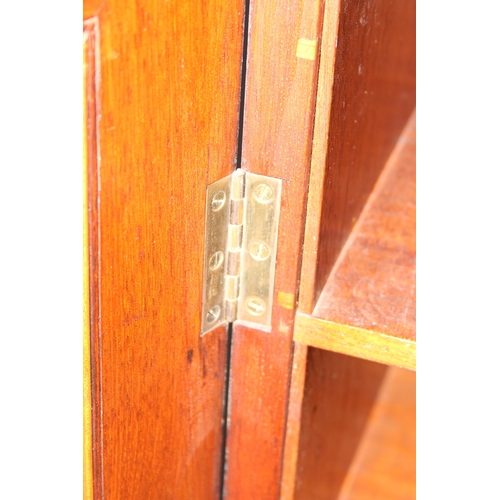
x,y
213,314
263,193
216,260
255,306
259,251
218,201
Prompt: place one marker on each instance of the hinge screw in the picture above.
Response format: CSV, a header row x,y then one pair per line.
x,y
218,201
255,306
216,260
263,193
213,314
259,251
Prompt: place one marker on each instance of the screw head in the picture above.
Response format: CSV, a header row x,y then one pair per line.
x,y
255,306
216,261
218,201
213,315
263,193
259,251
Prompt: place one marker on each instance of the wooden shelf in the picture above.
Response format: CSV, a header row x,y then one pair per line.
x,y
367,307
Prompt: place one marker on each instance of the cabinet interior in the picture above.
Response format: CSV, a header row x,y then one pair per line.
x,y
358,430
351,422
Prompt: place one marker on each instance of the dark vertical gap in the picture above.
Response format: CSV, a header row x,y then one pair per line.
x,y
225,411
243,83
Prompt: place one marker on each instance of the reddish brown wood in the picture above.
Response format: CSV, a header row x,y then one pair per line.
x,y
169,84
338,397
373,96
277,136
372,285
384,464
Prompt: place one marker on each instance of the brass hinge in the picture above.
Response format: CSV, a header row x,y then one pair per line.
x,y
241,235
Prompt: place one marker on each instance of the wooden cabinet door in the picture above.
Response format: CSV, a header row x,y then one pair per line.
x,y
162,106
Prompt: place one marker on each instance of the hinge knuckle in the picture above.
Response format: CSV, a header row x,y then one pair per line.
x,y
235,237
231,310
237,208
232,287
233,263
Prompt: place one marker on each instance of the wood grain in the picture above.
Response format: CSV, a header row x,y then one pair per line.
x,y
384,464
372,96
169,88
277,135
367,307
339,394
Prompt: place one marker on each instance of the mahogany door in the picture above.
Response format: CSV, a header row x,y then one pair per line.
x,y
162,86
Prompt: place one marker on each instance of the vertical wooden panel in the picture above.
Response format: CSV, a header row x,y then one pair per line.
x,y
339,394
310,245
169,85
277,134
329,43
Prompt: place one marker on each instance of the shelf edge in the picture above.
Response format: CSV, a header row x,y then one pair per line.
x,y
358,342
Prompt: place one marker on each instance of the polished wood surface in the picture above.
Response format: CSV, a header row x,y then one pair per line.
x,y
169,89
339,394
279,106
367,307
372,96
384,464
